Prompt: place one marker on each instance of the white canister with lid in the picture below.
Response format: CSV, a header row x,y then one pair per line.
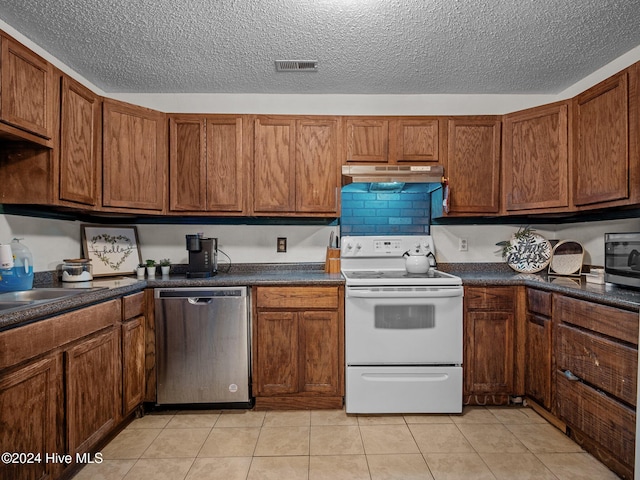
x,y
76,270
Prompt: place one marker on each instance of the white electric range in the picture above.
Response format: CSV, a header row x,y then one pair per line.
x,y
403,332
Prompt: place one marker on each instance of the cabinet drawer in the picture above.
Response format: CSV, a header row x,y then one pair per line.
x,y
611,321
490,298
132,305
606,421
22,343
297,297
607,365
539,302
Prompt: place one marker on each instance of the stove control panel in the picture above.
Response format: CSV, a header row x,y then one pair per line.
x,y
384,246
388,246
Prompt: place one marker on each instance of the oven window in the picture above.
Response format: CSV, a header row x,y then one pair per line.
x,y
404,317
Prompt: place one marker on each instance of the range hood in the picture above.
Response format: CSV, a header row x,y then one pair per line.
x,y
393,173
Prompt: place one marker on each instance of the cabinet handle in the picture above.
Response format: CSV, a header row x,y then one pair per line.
x,y
570,376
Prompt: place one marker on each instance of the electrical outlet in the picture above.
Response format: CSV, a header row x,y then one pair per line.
x,y
281,246
463,245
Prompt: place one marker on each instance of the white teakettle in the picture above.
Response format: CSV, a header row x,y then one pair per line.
x,y
417,260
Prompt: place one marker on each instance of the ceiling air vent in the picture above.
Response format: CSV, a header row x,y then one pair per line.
x,y
296,65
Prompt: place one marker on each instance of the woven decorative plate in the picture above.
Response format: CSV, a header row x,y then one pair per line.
x,y
567,258
529,253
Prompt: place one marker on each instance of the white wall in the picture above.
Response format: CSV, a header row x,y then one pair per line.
x,y
482,239
51,241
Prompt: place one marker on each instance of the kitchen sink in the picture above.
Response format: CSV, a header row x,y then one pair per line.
x,y
39,294
12,301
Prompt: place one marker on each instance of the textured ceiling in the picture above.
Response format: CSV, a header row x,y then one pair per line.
x,y
362,46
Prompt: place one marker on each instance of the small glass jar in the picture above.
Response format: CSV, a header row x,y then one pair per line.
x,y
76,270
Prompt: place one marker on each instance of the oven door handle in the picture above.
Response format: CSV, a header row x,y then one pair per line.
x,y
404,293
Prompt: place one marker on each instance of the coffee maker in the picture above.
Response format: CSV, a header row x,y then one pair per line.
x,y
203,256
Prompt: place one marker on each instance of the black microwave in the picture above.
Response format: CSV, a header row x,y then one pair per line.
x,y
622,258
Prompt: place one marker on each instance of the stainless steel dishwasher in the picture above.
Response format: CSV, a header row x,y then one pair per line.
x,y
202,346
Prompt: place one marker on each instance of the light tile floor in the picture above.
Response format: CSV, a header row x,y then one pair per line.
x,y
482,443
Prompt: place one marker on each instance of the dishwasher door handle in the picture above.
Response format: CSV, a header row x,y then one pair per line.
x,y
200,300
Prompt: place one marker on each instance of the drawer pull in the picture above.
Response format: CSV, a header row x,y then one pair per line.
x,y
570,376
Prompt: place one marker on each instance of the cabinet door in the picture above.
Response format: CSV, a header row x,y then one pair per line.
x,y
538,360
489,353
601,146
318,352
536,159
79,140
225,164
133,363
317,166
367,140
273,167
187,168
26,101
416,140
92,390
134,157
277,353
29,403
473,165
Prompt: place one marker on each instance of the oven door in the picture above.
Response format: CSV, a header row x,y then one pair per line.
x,y
403,325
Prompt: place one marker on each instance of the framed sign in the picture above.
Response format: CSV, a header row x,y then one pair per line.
x,y
113,249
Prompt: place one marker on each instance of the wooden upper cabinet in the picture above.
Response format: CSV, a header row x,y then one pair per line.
x,y
134,157
416,140
79,143
274,165
26,100
473,165
536,159
317,165
206,163
392,140
367,140
296,165
225,164
187,166
601,143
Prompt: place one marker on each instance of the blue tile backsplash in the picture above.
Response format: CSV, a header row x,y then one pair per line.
x,y
368,210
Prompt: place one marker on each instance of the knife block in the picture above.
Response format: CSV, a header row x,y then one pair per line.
x,y
332,260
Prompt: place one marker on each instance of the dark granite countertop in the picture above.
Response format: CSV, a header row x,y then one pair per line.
x,y
488,274
113,287
472,274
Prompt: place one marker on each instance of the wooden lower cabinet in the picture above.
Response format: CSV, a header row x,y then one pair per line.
x,y
597,363
133,363
298,347
92,390
68,382
489,322
133,351
30,402
538,349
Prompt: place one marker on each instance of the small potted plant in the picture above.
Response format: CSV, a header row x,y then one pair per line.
x,y
140,269
165,266
151,267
